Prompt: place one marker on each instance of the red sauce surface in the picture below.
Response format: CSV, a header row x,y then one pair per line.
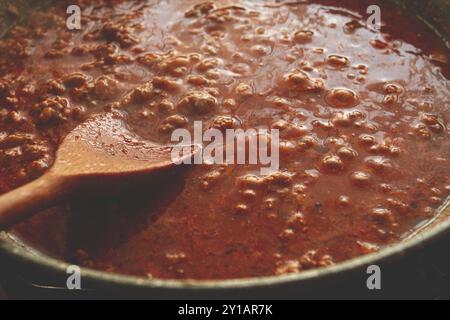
x,y
363,116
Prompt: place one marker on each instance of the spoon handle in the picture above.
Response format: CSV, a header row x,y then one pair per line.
x,y
30,199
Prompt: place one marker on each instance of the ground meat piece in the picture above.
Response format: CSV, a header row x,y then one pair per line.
x,y
300,81
177,121
120,34
244,90
166,84
198,102
332,164
55,87
200,9
16,49
105,87
34,154
303,36
279,178
150,59
52,109
140,95
75,80
224,122
5,88
15,117
342,98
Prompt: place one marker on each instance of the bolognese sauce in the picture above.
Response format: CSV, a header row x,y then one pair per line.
x,y
362,113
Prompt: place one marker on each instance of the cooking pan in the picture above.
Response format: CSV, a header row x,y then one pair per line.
x,y
45,272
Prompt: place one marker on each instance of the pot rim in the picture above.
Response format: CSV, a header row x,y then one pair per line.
x,y
435,230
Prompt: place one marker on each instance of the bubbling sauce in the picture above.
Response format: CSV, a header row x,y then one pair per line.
x,y
363,116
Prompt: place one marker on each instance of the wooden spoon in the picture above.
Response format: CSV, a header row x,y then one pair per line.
x,y
99,157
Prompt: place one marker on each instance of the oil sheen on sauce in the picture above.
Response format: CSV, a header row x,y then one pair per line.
x,y
363,116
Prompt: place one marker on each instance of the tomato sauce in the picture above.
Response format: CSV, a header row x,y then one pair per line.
x,y
363,118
